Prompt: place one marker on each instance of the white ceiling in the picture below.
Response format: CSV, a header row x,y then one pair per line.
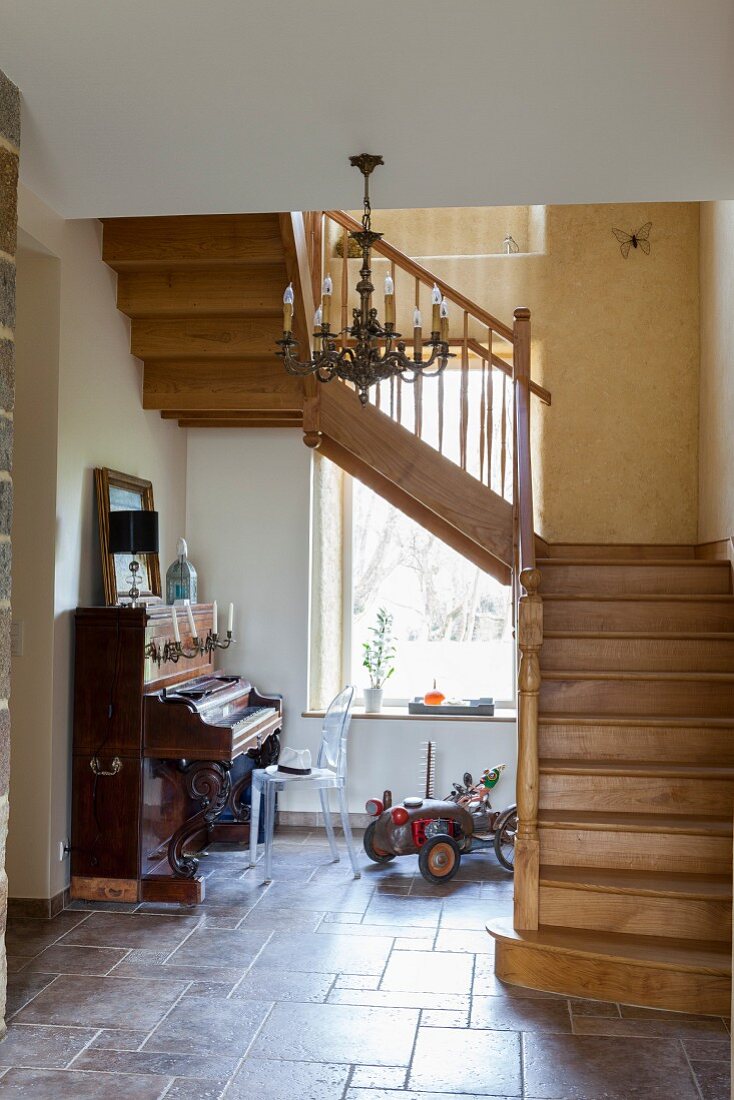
x,y
187,106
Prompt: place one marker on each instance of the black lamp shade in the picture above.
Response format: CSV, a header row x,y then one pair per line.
x,y
133,533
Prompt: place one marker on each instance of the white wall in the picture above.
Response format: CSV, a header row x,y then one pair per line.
x,y
100,423
247,522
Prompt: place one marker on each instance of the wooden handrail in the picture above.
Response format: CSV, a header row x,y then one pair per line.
x,y
346,221
502,365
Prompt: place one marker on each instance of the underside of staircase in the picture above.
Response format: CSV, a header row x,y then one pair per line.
x,y
626,704
636,782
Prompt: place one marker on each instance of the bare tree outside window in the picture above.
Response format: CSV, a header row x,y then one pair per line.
x,y
451,620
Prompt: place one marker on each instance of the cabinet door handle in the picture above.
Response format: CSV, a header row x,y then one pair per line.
x,y
95,766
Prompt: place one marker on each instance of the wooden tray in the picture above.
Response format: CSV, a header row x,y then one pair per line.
x,y
475,707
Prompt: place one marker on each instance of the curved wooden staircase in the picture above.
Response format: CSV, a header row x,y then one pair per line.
x,y
635,784
626,654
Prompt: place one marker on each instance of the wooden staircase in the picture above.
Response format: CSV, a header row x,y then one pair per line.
x,y
635,783
204,298
626,653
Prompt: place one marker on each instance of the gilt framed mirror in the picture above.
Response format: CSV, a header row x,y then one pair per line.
x,y
118,492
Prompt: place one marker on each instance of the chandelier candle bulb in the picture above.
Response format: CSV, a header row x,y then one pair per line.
x,y
436,309
230,618
214,618
444,319
190,616
288,308
327,290
174,622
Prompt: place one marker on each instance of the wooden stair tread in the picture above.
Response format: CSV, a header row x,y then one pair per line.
x,y
623,674
641,597
684,824
694,956
657,768
677,563
656,635
696,721
643,883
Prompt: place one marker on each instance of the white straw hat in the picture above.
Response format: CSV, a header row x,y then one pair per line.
x,y
292,762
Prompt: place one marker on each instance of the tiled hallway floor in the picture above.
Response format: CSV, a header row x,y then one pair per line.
x,y
320,987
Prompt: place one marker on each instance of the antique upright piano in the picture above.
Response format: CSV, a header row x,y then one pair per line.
x,y
164,747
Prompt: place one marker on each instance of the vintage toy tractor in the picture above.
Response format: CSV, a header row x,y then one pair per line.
x,y
440,831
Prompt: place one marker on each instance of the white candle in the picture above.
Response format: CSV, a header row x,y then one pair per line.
x,y
230,618
190,615
214,617
174,621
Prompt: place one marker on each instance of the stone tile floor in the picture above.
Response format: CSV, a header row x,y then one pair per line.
x,y
320,987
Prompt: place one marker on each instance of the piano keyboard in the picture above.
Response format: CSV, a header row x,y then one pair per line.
x,y
239,721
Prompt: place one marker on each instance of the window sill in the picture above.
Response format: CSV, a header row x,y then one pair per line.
x,y
400,714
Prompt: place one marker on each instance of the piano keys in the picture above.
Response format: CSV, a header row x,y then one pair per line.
x,y
163,755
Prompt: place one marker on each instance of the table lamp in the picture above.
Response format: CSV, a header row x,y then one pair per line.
x,y
133,533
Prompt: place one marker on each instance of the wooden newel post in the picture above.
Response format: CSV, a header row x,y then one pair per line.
x,y
312,413
527,854
529,641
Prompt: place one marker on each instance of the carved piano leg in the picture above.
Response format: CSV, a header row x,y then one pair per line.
x,y
240,809
209,782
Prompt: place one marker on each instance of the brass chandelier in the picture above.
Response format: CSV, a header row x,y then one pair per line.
x,y
367,352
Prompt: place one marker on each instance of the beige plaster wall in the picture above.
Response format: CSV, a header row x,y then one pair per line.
x,y
100,422
716,469
617,453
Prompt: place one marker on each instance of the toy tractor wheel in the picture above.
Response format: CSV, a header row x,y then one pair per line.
x,y
439,859
504,841
376,854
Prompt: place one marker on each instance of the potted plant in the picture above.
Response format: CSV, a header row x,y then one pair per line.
x,y
379,655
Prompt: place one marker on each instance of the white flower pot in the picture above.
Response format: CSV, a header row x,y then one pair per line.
x,y
373,700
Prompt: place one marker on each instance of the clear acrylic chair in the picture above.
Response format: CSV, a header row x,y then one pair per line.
x,y
330,772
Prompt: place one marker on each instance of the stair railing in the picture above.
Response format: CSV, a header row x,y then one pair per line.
x,y
481,442
503,408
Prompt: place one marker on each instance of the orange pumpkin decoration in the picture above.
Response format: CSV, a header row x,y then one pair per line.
x,y
434,698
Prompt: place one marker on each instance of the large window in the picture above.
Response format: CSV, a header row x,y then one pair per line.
x,y
452,621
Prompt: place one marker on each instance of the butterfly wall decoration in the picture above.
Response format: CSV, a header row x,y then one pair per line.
x,y
640,239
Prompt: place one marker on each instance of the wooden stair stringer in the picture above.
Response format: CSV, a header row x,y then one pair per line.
x,y
409,506
413,476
